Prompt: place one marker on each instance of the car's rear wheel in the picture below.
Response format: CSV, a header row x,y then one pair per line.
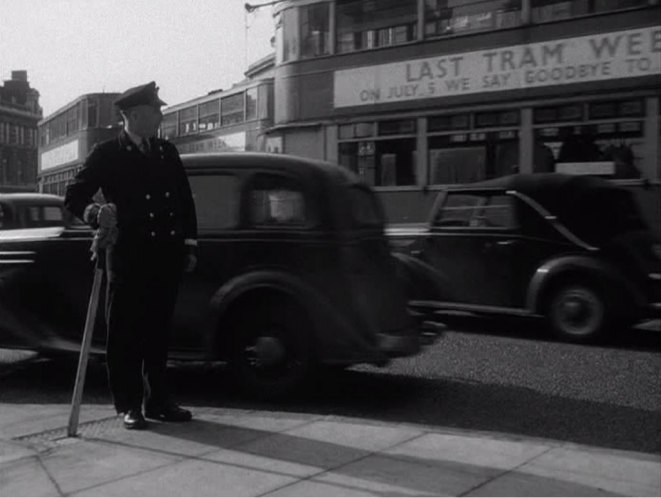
x,y
271,354
577,311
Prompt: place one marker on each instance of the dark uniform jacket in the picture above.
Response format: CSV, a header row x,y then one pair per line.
x,y
152,194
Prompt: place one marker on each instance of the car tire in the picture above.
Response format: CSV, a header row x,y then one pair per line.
x,y
271,355
577,311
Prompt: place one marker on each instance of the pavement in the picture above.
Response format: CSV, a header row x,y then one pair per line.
x,y
227,451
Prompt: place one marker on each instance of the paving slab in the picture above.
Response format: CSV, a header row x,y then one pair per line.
x,y
522,484
10,451
616,472
194,478
84,464
484,452
316,488
275,464
26,477
381,474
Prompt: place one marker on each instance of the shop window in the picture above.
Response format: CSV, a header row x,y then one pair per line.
x,y
616,109
209,115
314,29
356,130
472,156
394,162
397,127
216,201
188,120
251,103
555,10
447,17
232,109
551,114
169,126
366,24
497,118
448,122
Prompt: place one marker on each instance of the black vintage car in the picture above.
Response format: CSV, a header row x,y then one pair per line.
x,y
31,210
294,271
574,249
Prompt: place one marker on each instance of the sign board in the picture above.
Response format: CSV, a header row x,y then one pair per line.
x,y
58,156
586,168
221,143
604,56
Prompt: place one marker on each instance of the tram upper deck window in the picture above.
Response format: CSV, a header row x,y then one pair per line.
x,y
366,24
448,17
169,126
188,120
209,115
554,10
232,109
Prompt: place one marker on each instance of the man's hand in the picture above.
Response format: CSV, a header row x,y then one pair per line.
x,y
190,262
107,216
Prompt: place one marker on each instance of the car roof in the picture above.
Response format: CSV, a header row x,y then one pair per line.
x,y
269,161
31,198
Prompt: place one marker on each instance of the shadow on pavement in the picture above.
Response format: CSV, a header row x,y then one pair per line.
x,y
377,395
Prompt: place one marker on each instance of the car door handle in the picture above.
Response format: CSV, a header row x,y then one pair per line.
x,y
505,243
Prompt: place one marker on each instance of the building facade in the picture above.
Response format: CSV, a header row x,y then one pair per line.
x,y
19,114
225,120
417,94
67,136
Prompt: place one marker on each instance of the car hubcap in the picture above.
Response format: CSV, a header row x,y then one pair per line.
x,y
266,352
579,312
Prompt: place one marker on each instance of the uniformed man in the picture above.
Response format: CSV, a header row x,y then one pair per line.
x,y
148,196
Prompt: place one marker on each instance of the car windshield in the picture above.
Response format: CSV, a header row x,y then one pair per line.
x,y
601,214
365,208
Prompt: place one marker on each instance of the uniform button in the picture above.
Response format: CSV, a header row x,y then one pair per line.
x,y
147,196
171,232
153,234
151,215
171,213
167,194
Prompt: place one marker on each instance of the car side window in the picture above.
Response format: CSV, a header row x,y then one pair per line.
x,y
216,200
276,200
458,209
497,212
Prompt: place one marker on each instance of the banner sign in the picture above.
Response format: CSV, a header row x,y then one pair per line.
x,y
605,56
58,156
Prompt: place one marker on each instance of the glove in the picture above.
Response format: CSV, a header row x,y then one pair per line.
x,y
106,234
190,261
106,217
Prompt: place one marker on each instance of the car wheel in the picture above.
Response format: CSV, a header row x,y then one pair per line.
x,y
577,312
271,356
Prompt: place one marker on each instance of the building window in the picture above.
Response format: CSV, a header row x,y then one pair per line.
x,y
251,103
554,10
210,115
466,148
366,24
447,17
169,126
188,120
232,109
314,29
290,41
602,138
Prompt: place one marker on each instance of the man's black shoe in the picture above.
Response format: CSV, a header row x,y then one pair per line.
x,y
133,419
169,413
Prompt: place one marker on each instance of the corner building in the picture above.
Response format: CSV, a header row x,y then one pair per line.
x,y
417,94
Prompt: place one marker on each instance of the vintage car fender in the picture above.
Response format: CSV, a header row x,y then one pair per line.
x,y
422,281
577,264
336,339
